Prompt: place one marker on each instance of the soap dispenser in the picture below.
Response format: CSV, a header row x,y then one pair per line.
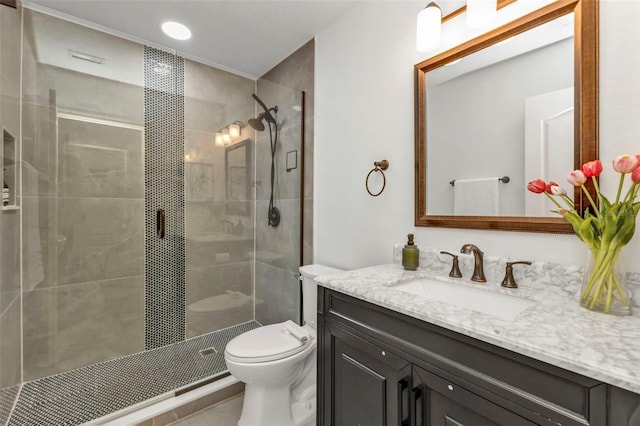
x,y
410,255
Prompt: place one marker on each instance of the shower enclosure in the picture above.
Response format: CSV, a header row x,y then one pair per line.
x,y
143,233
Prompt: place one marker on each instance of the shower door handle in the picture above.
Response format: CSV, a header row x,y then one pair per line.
x,y
160,223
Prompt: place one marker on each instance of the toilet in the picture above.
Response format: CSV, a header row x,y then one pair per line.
x,y
277,363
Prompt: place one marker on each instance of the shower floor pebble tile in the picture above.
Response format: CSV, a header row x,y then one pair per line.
x,y
85,394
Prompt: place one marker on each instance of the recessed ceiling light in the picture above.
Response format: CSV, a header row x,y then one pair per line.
x,y
176,30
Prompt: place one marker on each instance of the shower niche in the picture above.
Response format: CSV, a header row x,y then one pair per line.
x,y
9,175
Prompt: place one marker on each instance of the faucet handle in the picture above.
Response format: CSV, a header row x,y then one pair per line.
x,y
509,281
455,268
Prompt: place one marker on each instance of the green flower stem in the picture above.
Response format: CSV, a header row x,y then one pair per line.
x,y
631,193
553,200
603,286
569,202
595,184
620,187
623,297
584,189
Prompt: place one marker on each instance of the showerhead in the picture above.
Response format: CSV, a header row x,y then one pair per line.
x,y
256,123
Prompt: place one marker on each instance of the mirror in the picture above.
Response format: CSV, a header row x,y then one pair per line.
x,y
517,103
237,159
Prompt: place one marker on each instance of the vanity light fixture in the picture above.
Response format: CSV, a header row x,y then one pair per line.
x,y
480,13
176,30
429,28
226,134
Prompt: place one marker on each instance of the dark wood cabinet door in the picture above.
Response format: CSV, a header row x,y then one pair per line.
x,y
369,386
439,402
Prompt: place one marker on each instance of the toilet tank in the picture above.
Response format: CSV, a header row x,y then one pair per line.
x,y
310,290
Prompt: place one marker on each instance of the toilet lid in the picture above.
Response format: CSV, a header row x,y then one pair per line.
x,y
268,343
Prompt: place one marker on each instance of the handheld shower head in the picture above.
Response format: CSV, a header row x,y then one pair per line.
x,y
267,115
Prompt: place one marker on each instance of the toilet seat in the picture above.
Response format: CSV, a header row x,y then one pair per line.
x,y
268,343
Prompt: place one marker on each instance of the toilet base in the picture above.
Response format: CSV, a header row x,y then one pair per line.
x,y
266,406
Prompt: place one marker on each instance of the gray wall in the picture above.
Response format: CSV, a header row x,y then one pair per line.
x,y
10,320
278,249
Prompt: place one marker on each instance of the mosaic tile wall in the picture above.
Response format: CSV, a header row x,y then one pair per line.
x,y
87,393
164,189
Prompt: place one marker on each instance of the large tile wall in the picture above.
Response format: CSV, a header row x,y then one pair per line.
x,y
219,237
10,300
278,248
83,205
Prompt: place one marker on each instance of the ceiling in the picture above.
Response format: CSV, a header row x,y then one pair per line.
x,y
248,37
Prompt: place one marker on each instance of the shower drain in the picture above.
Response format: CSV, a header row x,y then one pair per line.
x,y
208,351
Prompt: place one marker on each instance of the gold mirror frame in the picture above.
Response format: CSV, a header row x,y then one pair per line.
x,y
586,123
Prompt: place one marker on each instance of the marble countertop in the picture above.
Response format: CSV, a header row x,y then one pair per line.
x,y
555,330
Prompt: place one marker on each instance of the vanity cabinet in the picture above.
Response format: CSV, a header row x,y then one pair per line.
x,y
380,367
368,383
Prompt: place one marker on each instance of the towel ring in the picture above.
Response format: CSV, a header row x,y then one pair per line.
x,y
378,166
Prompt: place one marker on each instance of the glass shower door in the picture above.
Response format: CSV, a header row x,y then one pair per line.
x,y
219,199
83,196
279,183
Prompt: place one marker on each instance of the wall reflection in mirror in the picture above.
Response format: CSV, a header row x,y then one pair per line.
x,y
506,110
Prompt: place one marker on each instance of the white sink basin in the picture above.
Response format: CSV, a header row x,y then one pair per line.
x,y
499,305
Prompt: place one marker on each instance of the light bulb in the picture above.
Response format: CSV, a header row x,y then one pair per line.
x,y
225,135
219,140
234,130
429,28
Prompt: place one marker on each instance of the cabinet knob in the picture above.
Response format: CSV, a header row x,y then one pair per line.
x,y
384,353
450,387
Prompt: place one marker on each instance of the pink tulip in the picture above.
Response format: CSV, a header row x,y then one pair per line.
x,y
625,163
592,168
557,190
577,178
635,175
537,186
550,185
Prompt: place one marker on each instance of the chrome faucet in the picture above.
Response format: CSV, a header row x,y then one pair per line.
x,y
478,258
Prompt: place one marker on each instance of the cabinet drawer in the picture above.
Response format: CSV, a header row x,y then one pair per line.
x,y
532,386
442,402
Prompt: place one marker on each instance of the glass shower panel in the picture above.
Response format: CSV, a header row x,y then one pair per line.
x,y
219,199
83,196
278,248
